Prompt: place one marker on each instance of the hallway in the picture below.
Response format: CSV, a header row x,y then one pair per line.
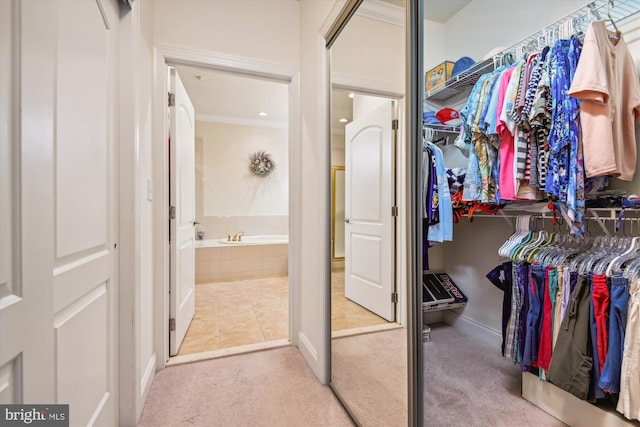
x,y
266,388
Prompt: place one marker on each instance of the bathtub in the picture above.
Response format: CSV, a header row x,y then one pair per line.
x,y
254,257
245,241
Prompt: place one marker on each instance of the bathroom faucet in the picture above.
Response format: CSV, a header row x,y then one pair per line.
x,y
238,236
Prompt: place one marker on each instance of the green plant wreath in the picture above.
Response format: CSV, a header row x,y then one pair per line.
x,y
260,163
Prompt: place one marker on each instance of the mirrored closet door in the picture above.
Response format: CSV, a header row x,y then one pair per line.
x,y
370,312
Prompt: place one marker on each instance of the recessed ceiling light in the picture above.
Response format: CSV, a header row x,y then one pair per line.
x,y
351,94
199,77
262,114
343,120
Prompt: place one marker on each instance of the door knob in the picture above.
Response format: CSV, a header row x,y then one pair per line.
x,y
347,220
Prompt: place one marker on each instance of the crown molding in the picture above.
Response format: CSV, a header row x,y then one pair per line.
x,y
243,121
382,11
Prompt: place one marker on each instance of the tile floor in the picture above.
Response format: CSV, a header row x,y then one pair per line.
x,y
233,314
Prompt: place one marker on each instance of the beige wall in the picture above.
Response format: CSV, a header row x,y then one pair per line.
x,y
370,49
231,198
256,29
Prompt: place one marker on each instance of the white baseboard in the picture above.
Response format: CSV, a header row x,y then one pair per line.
x,y
469,326
147,379
309,353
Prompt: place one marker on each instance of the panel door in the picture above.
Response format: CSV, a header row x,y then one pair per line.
x,y
58,286
182,165
369,224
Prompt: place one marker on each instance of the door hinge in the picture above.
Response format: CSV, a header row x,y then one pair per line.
x,y
172,324
394,297
172,212
394,211
172,99
394,124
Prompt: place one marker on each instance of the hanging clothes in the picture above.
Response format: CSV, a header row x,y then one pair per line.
x,y
629,399
571,364
501,277
606,81
443,230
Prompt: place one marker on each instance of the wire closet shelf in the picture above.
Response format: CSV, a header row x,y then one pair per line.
x,y
616,13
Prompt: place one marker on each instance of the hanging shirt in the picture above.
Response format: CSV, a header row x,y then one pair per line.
x,y
507,149
563,138
491,118
540,120
607,82
444,229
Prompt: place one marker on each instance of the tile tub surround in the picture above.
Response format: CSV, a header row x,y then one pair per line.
x,y
233,262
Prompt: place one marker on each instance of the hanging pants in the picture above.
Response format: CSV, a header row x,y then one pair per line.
x,y
629,401
571,362
534,316
610,377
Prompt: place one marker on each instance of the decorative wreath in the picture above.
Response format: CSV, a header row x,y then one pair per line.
x,y
260,163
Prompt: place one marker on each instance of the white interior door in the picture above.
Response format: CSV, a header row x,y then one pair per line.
x,y
58,206
369,223
182,199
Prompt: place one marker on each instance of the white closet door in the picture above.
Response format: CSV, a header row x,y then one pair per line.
x,y
58,287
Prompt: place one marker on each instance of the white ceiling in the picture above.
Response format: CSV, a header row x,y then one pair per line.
x,y
233,98
442,10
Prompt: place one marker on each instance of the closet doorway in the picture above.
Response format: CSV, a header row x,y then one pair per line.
x,y
241,213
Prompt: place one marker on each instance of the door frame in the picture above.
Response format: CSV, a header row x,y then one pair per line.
x,y
395,92
165,55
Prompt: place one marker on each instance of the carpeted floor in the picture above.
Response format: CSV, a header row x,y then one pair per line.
x,y
470,384
266,388
467,383
369,372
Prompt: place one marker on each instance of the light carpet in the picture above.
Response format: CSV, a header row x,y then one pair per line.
x,y
369,372
267,388
468,383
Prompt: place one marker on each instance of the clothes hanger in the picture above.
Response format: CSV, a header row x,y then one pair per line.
x,y
438,140
520,232
610,4
632,270
517,247
616,264
614,247
597,245
538,237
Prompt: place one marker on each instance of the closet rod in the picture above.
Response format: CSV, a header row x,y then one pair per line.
x,y
623,10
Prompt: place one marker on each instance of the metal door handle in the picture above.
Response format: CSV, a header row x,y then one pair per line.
x,y
347,220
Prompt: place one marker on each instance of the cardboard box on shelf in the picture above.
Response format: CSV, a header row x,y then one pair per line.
x,y
438,75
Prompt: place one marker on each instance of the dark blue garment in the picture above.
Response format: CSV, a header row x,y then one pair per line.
x,y
501,278
573,279
619,301
534,317
425,244
595,390
522,270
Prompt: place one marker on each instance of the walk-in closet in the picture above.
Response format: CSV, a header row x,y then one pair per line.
x,y
530,200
